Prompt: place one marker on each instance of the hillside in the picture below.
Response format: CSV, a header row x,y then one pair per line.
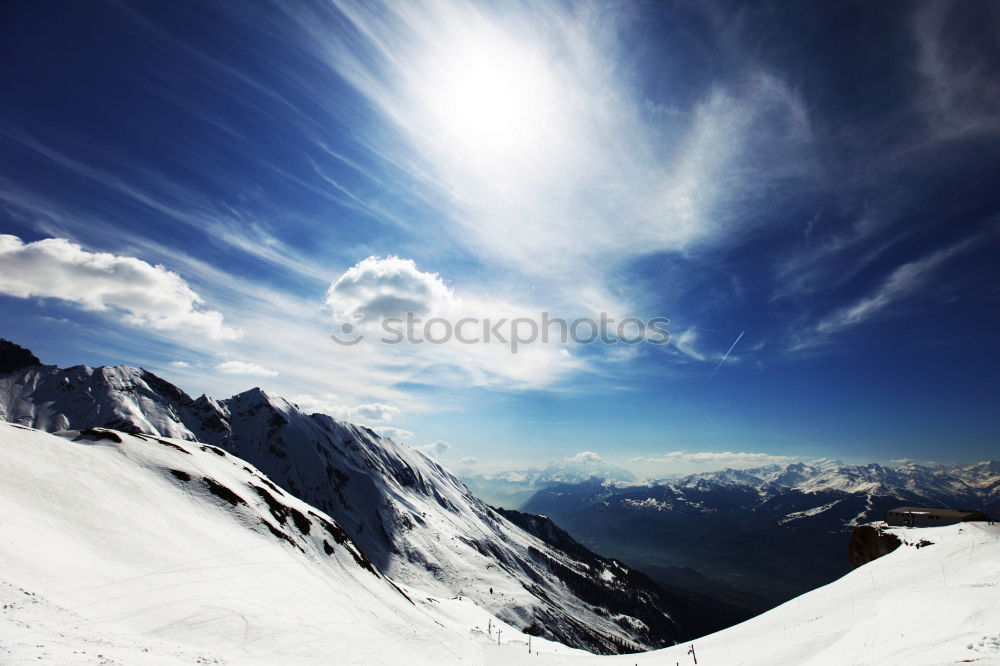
x,y
415,520
150,551
938,604
125,549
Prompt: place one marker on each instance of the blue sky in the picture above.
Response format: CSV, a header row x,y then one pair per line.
x,y
210,190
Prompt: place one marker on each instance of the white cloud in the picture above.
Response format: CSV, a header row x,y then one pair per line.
x,y
390,287
180,364
375,411
148,296
585,456
434,449
381,287
678,177
393,433
728,458
961,94
685,343
327,403
330,404
470,460
901,283
244,368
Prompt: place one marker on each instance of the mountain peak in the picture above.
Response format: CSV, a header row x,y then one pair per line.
x,y
256,394
15,357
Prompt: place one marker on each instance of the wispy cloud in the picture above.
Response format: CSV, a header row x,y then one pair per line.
x,y
153,191
543,206
903,282
961,89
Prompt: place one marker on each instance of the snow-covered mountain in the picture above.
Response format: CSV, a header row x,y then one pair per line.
x,y
415,521
129,549
938,603
939,484
767,534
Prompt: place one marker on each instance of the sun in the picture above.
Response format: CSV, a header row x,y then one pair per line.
x,y
493,99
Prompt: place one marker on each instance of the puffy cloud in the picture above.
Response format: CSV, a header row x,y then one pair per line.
x,y
148,296
244,368
328,403
585,456
474,343
180,364
470,460
434,449
390,287
375,411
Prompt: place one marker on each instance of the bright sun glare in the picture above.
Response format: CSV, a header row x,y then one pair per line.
x,y
493,99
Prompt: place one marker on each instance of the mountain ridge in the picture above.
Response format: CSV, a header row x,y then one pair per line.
x,y
768,533
413,519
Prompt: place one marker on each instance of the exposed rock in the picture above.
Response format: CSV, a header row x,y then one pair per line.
x,y
869,543
14,357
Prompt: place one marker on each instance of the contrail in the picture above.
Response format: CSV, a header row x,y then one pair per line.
x,y
727,353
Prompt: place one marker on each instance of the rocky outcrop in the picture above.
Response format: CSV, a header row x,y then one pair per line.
x,y
14,357
870,543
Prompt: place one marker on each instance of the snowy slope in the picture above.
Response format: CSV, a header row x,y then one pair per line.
x,y
939,604
123,549
109,557
120,549
416,521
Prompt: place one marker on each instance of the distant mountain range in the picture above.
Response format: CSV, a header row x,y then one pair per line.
x,y
512,488
758,536
410,518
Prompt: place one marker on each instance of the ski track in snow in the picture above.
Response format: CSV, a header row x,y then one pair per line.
x,y
865,512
